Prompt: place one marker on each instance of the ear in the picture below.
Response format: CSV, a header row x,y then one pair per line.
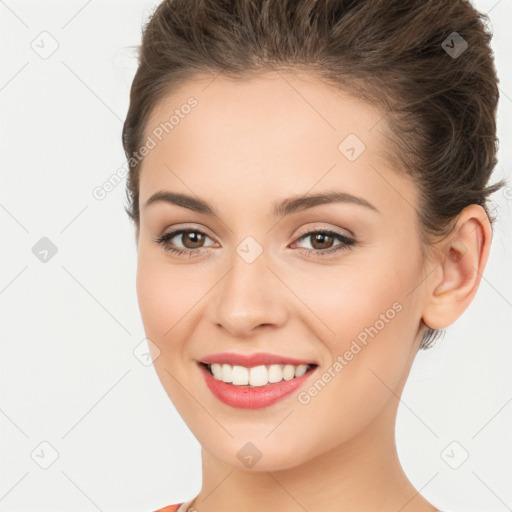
x,y
460,263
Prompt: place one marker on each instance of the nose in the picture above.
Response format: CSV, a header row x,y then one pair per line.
x,y
248,298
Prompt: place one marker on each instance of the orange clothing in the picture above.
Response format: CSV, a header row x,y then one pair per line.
x,y
170,508
174,508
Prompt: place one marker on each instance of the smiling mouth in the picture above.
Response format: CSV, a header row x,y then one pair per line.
x,y
256,376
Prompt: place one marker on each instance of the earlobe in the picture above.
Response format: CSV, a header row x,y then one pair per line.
x,y
461,260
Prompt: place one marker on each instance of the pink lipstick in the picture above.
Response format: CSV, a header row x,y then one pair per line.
x,y
253,397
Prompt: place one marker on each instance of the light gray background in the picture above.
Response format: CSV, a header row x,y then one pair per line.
x,y
69,326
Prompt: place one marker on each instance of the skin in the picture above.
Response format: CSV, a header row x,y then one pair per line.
x,y
246,145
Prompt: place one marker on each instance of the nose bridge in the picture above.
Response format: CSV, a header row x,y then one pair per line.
x,y
250,294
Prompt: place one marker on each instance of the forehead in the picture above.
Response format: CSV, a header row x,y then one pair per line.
x,y
267,103
278,130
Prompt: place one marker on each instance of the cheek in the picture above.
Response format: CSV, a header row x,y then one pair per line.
x,y
169,298
372,317
158,296
163,307
152,304
370,357
354,299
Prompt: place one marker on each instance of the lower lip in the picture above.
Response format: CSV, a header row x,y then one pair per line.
x,y
248,397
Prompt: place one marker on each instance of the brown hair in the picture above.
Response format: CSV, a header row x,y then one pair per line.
x,y
403,57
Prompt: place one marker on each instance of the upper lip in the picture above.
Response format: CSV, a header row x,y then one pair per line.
x,y
249,360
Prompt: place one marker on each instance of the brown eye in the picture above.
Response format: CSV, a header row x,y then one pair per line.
x,y
192,241
321,240
195,238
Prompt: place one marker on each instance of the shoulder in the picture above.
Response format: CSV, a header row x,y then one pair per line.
x,y
170,508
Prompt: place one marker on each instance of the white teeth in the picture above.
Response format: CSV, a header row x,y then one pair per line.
x,y
256,375
240,376
301,370
216,369
227,373
288,372
275,374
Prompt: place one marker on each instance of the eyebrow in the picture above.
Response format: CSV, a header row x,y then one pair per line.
x,y
281,208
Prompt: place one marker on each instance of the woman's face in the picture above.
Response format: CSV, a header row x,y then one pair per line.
x,y
255,282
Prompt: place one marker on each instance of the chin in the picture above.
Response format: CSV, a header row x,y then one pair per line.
x,y
258,456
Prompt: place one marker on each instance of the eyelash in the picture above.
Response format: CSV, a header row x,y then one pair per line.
x,y
346,244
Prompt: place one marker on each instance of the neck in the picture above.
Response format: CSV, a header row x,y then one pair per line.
x,y
363,474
